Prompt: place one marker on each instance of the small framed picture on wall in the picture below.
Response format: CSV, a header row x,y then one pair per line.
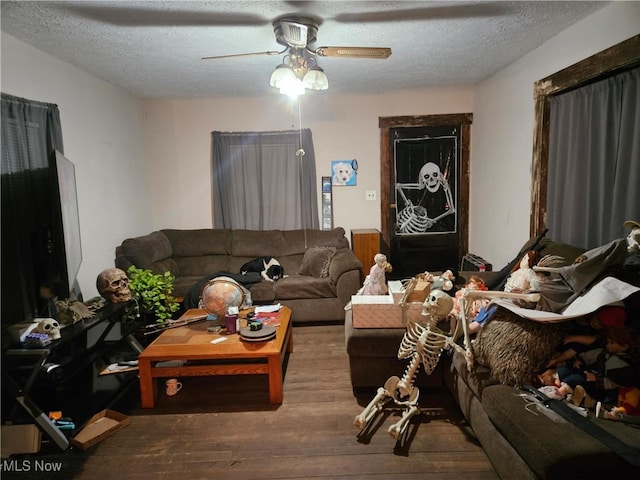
x,y
327,208
344,172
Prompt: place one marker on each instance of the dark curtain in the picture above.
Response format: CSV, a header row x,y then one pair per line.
x,y
31,130
594,161
263,181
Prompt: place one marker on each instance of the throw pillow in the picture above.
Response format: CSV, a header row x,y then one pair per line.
x,y
316,261
515,349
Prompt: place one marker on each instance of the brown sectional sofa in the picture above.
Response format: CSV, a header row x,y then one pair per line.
x,y
519,444
192,255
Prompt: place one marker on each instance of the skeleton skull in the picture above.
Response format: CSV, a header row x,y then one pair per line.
x,y
113,284
430,177
438,304
50,327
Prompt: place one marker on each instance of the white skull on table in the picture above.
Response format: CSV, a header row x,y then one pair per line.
x,y
50,327
113,284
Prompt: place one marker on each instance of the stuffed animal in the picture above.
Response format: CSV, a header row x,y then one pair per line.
x,y
442,282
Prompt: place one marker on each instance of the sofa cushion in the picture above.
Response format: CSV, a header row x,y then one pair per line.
x,y
515,348
299,286
197,243
316,261
146,250
476,379
297,241
254,243
203,265
263,292
554,447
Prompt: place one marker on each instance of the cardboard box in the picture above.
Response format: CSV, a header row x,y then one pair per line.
x,y
383,311
99,427
20,439
420,291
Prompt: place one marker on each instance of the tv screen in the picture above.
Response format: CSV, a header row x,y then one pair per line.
x,y
70,222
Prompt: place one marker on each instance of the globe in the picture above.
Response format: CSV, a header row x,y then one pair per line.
x,y
221,293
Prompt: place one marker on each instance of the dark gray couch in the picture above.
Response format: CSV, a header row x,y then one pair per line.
x,y
519,444
191,255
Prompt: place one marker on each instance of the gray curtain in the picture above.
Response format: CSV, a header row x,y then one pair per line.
x,y
261,181
31,131
594,161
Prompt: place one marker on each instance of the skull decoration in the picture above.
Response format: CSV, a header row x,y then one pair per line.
x,y
438,304
50,327
113,284
430,177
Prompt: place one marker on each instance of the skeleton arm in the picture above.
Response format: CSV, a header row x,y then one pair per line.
x,y
449,196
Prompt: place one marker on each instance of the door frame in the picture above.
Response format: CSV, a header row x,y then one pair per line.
x,y
462,120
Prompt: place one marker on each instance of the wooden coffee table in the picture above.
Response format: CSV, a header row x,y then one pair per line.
x,y
233,356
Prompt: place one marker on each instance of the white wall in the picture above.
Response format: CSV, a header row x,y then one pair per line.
x,y
103,133
343,127
502,143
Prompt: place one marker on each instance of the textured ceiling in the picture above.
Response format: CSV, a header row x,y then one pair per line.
x,y
154,48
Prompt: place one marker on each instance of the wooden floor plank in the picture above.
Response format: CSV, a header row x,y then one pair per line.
x,y
225,427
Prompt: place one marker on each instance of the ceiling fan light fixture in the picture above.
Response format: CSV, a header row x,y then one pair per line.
x,y
315,79
292,88
282,75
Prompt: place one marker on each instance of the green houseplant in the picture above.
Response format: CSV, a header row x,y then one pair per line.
x,y
153,292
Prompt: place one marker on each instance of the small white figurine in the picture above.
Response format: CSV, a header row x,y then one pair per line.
x,y
375,283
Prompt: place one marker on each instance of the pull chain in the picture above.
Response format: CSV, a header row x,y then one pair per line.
x,y
300,153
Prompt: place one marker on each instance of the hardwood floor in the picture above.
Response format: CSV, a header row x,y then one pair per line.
x,y
225,427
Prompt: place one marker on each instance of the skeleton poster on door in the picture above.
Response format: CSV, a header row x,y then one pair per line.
x,y
426,185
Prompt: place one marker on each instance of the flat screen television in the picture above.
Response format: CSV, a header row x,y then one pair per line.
x,y
69,220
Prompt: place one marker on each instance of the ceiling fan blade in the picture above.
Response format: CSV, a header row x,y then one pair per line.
x,y
253,54
354,52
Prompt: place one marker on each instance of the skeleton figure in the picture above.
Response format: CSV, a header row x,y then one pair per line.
x,y
435,204
113,284
420,344
50,327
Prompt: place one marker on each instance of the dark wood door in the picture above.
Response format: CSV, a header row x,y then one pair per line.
x,y
425,195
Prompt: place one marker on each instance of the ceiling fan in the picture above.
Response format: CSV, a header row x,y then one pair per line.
x,y
298,33
299,69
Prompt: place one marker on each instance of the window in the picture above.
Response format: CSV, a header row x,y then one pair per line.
x,y
264,180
